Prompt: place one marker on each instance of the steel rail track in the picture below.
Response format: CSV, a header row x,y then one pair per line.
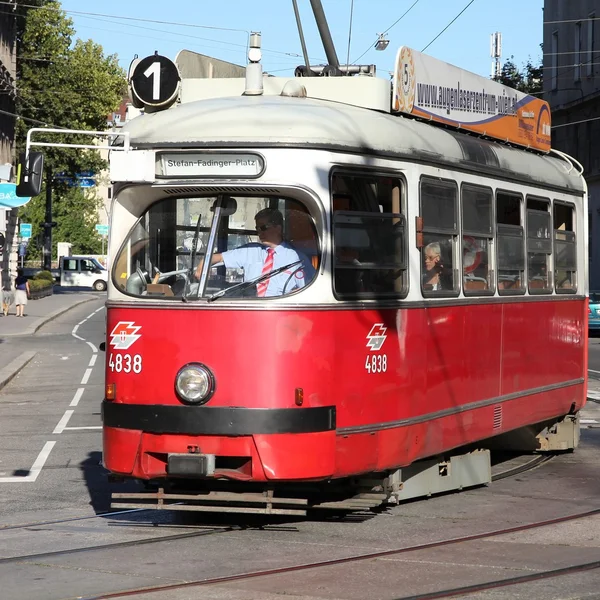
x,y
535,462
130,543
70,519
362,557
491,585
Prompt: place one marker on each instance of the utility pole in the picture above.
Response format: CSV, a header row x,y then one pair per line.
x,y
47,249
496,53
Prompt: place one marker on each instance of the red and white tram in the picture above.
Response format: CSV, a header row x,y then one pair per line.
x,y
376,362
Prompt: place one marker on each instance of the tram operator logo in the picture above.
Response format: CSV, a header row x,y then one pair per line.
x,y
376,337
124,335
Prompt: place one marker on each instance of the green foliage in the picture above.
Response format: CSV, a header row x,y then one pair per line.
x,y
70,84
65,84
35,285
44,275
76,215
529,79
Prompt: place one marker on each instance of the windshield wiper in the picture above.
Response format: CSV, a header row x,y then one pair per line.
x,y
246,284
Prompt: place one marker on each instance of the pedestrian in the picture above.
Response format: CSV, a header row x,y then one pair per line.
x,y
22,292
7,298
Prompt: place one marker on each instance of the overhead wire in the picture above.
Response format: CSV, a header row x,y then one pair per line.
x,y
389,28
350,33
442,31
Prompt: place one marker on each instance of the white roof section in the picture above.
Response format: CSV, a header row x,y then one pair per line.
x,y
259,121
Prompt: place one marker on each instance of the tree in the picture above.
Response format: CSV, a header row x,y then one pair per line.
x,y
65,84
529,79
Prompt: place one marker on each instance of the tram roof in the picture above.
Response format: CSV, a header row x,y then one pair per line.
x,y
260,121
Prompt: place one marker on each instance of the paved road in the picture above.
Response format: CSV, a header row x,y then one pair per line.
x,y
50,445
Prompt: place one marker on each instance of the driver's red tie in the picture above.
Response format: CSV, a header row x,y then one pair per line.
x,y
261,288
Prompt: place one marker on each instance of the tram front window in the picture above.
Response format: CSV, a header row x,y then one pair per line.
x,y
219,247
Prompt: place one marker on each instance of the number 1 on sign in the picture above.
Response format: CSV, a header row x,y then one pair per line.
x,y
154,71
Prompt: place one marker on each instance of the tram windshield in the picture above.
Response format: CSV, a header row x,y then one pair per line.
x,y
219,247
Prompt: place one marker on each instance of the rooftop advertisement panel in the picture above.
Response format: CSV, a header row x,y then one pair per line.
x,y
434,90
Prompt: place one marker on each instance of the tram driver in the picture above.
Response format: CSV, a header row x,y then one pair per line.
x,y
269,254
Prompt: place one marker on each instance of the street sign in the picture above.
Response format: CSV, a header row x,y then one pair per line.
x,y
102,229
22,248
82,180
8,196
25,230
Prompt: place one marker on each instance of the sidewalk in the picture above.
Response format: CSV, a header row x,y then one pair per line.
x,y
39,312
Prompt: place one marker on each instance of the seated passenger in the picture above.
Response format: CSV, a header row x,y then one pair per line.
x,y
435,276
271,253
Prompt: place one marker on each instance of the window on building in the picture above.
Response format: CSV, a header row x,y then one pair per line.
x,y
577,53
554,63
539,246
565,249
439,204
589,60
477,239
510,243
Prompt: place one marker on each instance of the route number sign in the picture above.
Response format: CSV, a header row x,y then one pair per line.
x,y
155,81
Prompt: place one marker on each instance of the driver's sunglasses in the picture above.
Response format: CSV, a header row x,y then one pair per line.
x,y
261,228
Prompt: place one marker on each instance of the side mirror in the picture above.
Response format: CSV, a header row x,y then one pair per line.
x,y
30,174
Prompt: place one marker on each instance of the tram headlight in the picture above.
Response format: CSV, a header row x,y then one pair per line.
x,y
195,383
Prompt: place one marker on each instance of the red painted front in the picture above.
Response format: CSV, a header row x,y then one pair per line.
x,y
437,359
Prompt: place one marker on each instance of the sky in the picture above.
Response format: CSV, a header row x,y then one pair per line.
x,y
205,26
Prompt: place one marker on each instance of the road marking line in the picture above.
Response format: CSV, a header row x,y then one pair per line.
x,y
63,422
86,376
594,395
93,359
586,421
78,337
36,468
79,428
77,397
75,329
98,310
592,371
94,349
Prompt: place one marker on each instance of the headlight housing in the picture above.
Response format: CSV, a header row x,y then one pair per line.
x,y
194,383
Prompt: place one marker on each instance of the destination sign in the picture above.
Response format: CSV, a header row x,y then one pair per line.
x,y
199,165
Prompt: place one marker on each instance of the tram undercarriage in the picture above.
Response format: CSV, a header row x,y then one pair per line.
x,y
422,478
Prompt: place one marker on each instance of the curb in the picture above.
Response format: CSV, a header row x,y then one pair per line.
x,y
13,368
34,327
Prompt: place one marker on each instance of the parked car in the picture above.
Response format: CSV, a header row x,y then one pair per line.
x,y
594,311
83,271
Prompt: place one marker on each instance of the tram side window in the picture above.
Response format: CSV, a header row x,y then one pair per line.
x,y
369,236
510,243
477,228
439,214
539,246
565,255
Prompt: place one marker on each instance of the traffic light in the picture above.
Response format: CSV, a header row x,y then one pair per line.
x,y
49,225
29,175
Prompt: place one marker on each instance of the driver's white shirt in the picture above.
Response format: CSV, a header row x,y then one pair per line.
x,y
251,258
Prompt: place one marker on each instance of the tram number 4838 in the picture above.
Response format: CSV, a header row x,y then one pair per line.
x,y
376,363
125,363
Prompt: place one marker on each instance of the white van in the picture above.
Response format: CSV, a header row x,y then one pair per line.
x,y
83,271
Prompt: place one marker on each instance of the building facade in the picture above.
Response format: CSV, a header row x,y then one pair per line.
x,y
572,87
8,89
